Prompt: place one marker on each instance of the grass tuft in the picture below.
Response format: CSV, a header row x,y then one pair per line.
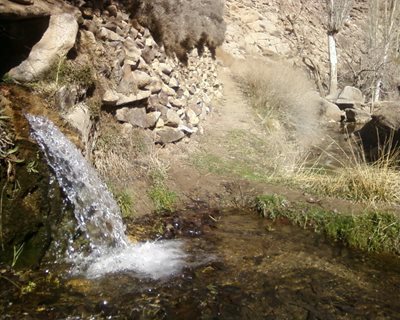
x,y
373,231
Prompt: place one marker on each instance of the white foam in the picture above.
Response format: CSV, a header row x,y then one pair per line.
x,y
157,260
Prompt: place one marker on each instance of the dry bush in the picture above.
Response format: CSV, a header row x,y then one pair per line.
x,y
283,97
183,25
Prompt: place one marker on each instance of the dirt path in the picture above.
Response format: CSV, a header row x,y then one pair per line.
x,y
221,167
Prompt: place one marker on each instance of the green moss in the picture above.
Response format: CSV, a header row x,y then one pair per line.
x,y
371,230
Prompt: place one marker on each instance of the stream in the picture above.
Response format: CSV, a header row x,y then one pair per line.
x,y
238,266
194,264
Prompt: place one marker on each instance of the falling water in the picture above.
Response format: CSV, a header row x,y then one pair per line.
x,y
98,215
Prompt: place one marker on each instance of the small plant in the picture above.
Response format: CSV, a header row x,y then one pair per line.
x,y
7,79
125,203
31,167
17,253
270,205
163,198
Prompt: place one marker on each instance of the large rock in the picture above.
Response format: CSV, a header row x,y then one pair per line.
x,y
330,111
138,117
382,131
134,97
58,39
40,8
350,97
169,135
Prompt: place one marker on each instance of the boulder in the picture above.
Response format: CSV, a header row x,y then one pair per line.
x,y
168,135
135,116
350,97
330,111
134,97
382,131
155,85
58,39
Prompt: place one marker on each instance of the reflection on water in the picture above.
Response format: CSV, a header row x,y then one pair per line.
x,y
239,267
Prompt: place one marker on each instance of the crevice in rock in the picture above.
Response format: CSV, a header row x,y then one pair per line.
x,y
17,37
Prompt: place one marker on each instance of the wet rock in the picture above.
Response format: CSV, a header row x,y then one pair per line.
x,y
58,39
80,119
66,97
169,135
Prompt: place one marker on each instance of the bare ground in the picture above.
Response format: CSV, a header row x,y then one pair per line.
x,y
219,168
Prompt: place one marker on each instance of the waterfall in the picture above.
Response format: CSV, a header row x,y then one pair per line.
x,y
98,215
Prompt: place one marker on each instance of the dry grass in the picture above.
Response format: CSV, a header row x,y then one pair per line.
x,y
355,178
183,25
288,108
120,154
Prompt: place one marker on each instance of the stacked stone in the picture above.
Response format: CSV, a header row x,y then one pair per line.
x,y
143,86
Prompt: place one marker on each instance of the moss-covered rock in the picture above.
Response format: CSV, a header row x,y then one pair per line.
x,y
30,203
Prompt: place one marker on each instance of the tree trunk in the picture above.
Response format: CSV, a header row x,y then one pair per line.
x,y
333,83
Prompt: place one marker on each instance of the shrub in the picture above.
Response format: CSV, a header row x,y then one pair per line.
x,y
183,25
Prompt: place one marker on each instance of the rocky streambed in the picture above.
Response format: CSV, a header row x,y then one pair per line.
x,y
238,266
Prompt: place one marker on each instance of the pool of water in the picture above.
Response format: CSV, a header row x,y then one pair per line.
x,y
237,266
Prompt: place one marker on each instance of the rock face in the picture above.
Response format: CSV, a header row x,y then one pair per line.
x,y
55,43
39,8
382,131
